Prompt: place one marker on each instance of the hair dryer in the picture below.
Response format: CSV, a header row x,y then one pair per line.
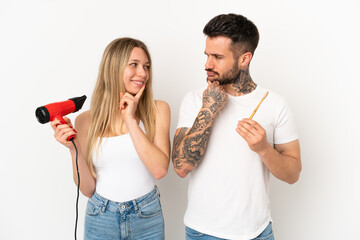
x,y
57,110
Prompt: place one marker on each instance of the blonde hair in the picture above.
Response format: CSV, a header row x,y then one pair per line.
x,y
106,96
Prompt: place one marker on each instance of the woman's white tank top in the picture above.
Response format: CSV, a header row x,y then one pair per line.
x,y
121,175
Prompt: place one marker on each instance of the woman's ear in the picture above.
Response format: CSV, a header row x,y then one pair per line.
x,y
244,60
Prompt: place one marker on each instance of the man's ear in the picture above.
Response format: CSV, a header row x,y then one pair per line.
x,y
244,60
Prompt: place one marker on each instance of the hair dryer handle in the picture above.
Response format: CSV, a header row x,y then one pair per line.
x,y
62,121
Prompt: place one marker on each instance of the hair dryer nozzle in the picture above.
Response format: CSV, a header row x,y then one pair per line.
x,y
79,102
42,115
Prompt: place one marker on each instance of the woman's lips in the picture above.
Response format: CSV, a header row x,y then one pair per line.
x,y
138,82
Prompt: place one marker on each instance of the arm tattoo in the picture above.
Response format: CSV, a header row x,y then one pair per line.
x,y
189,148
190,145
176,149
203,118
195,146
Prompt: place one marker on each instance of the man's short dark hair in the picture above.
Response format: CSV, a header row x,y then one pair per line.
x,y
243,33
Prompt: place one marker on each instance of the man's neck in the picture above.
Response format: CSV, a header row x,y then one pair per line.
x,y
242,86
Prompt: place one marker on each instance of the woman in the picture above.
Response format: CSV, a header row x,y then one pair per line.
x,y
123,143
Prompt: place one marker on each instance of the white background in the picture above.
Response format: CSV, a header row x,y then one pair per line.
x,y
308,52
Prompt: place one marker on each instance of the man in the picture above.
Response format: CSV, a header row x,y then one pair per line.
x,y
228,154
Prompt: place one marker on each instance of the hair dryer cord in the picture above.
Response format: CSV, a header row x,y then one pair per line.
x,y
78,187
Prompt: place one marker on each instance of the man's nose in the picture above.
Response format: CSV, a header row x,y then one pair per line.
x,y
209,64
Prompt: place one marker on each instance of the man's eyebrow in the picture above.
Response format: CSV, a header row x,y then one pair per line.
x,y
214,54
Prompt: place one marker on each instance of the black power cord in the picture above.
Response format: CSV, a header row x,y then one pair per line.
x,y
78,186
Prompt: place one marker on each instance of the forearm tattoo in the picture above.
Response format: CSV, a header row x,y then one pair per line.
x,y
190,148
176,156
190,145
202,120
195,146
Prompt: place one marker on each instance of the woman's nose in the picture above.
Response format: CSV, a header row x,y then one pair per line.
x,y
141,72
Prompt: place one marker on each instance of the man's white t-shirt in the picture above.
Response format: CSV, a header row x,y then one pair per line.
x,y
228,195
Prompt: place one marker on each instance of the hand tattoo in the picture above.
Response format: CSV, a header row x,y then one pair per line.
x,y
214,97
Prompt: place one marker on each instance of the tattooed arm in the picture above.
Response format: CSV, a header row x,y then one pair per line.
x,y
190,143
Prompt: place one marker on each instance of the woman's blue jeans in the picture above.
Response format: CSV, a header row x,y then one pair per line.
x,y
140,218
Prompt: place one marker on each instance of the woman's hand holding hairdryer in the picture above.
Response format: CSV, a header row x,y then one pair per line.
x,y
63,131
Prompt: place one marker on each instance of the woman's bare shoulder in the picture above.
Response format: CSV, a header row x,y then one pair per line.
x,y
83,120
162,105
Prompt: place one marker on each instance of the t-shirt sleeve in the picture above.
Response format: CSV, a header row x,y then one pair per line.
x,y
189,109
285,130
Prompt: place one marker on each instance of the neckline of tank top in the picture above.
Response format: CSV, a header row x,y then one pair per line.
x,y
116,136
140,124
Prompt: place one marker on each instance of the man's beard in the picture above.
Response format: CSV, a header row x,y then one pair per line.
x,y
230,77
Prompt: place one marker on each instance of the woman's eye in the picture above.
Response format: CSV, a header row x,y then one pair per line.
x,y
147,67
133,64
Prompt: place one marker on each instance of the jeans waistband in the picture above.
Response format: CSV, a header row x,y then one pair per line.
x,y
135,203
